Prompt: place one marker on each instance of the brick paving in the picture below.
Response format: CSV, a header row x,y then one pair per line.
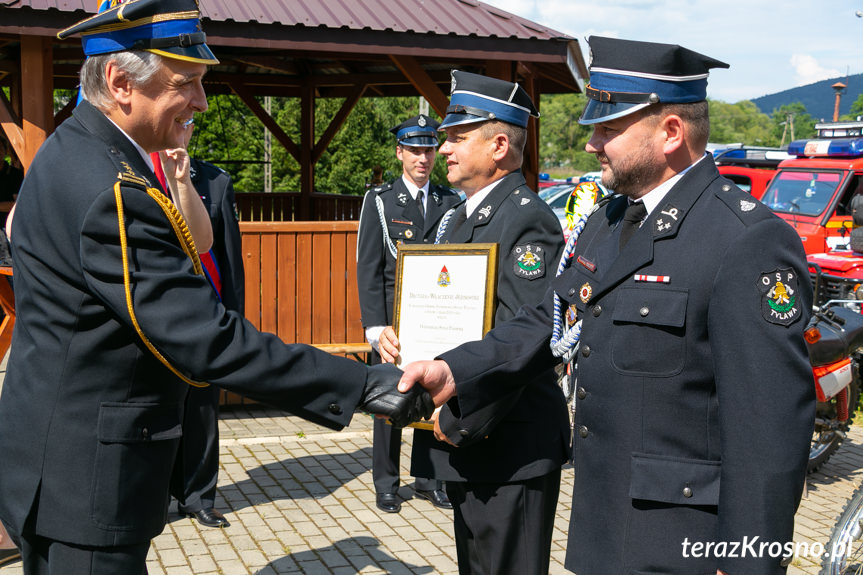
x,y
300,500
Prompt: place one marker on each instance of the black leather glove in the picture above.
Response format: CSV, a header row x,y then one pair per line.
x,y
382,397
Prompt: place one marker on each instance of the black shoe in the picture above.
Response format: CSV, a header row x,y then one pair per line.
x,y
207,517
9,556
388,502
436,496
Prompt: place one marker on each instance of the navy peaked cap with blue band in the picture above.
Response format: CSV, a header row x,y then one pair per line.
x,y
419,131
170,28
627,75
477,98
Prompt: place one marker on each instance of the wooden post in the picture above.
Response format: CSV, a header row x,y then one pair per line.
x,y
37,94
307,147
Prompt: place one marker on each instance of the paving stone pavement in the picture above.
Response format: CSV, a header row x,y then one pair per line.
x,y
300,500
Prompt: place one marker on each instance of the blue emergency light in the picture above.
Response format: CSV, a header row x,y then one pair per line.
x,y
833,148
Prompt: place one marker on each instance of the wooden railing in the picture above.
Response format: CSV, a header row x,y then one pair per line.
x,y
284,207
301,282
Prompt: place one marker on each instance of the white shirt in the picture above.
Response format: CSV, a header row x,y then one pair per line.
x,y
652,198
413,190
475,200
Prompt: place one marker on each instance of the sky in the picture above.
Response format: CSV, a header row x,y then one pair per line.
x,y
771,45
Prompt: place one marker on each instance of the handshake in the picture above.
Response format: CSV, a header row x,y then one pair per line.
x,y
382,397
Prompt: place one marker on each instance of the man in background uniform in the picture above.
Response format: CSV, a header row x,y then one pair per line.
x,y
502,466
406,210
688,301
196,470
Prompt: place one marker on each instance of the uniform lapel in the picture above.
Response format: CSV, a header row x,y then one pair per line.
x,y
406,203
662,223
485,211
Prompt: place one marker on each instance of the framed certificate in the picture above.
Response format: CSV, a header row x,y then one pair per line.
x,y
444,296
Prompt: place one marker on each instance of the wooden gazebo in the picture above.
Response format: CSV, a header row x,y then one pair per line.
x,y
301,48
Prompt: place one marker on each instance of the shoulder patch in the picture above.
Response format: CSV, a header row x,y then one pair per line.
x,y
779,297
528,261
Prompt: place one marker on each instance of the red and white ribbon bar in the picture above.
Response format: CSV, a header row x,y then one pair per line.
x,y
654,279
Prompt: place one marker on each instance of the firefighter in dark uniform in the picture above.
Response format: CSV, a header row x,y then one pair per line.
x,y
115,318
694,394
196,470
406,210
503,473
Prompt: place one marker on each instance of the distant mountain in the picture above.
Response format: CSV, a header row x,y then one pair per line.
x,y
819,98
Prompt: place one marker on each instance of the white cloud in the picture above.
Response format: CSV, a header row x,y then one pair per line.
x,y
808,70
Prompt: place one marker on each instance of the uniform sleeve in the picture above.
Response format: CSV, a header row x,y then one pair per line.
x,y
370,265
180,314
759,309
232,265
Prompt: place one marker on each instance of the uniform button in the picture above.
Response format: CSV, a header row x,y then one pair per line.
x,y
571,291
582,431
145,433
687,491
597,309
463,432
644,311
585,350
335,409
581,393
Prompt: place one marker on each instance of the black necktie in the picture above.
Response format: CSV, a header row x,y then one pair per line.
x,y
457,220
631,221
420,205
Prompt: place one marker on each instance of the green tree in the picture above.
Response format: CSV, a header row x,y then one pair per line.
x,y
562,138
793,116
741,122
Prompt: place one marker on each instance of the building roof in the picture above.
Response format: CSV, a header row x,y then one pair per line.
x,y
276,45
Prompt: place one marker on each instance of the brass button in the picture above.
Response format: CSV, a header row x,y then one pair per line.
x,y
687,491
597,309
581,393
644,311
585,350
582,431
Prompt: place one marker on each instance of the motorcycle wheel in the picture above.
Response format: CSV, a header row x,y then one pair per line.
x,y
843,553
827,437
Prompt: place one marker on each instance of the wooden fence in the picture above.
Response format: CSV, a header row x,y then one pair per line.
x,y
284,207
301,282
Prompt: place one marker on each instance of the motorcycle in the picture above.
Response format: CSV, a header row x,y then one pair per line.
x,y
834,338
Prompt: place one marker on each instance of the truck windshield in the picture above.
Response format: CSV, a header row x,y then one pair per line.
x,y
801,192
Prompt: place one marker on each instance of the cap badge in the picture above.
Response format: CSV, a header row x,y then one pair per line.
x,y
421,122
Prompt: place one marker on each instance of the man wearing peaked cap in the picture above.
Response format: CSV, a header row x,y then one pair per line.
x,y
682,305
500,458
115,317
404,211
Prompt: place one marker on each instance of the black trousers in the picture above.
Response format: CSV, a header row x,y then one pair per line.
x,y
504,528
386,452
196,469
41,556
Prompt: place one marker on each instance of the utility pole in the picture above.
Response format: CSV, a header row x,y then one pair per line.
x,y
268,149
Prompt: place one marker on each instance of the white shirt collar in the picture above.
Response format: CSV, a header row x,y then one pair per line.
x,y
475,200
413,189
141,151
652,198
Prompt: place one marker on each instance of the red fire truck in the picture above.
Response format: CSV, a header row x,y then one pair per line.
x,y
813,190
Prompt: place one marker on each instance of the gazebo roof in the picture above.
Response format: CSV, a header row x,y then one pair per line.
x,y
276,45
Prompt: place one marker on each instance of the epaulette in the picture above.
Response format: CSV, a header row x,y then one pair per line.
x,y
523,196
743,205
134,181
383,188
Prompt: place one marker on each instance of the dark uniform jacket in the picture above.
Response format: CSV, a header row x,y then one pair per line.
x,y
90,418
376,267
695,395
217,193
525,433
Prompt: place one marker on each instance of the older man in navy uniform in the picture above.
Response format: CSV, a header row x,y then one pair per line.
x,y
501,466
116,319
406,210
687,300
